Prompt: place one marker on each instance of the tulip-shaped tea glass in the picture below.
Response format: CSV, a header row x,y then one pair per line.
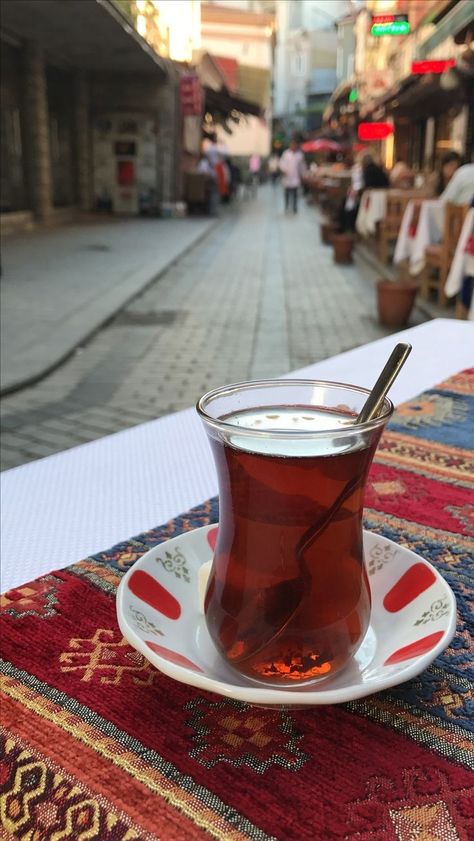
x,y
288,600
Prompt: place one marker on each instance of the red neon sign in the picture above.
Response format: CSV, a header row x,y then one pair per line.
x,y
383,19
420,68
374,131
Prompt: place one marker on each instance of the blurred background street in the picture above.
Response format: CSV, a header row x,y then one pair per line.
x,y
257,297
148,149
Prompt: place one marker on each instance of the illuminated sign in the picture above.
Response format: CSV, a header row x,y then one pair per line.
x,y
390,25
422,67
374,131
353,95
191,94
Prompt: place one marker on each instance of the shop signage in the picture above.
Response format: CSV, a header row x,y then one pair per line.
x,y
374,131
390,25
353,95
420,68
191,94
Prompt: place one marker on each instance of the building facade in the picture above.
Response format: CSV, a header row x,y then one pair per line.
x,y
305,61
240,41
90,113
430,107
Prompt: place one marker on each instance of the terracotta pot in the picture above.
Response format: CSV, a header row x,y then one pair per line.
x,y
395,301
328,229
343,245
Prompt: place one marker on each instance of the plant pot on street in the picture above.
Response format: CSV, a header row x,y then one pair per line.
x,y
343,245
395,301
328,229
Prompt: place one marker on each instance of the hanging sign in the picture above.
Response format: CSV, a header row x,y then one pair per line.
x,y
390,25
191,94
374,131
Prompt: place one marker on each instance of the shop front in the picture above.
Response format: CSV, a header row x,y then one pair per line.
x,y
125,163
90,113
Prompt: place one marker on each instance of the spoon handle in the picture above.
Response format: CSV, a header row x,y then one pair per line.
x,y
390,371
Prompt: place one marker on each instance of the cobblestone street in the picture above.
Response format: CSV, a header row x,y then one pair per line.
x,y
259,297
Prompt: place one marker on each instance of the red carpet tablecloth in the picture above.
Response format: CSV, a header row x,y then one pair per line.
x,y
97,744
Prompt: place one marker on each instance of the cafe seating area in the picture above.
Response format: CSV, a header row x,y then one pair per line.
x,y
439,256
407,233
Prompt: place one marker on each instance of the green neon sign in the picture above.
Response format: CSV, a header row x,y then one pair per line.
x,y
396,27
353,95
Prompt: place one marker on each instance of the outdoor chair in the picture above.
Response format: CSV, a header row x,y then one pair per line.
x,y
439,257
389,227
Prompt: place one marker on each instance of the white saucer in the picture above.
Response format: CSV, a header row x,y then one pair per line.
x,y
413,619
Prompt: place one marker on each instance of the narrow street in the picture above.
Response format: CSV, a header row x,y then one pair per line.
x,y
258,297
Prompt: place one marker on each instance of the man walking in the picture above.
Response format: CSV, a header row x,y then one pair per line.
x,y
292,168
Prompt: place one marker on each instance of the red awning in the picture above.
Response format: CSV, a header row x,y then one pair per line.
x,y
229,67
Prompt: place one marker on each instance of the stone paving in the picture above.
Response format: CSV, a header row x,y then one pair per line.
x,y
258,297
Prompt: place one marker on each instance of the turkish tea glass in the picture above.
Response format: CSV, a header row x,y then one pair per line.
x,y
288,599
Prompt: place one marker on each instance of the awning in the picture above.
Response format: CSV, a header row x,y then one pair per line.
x,y
221,97
82,34
420,97
229,69
223,103
342,91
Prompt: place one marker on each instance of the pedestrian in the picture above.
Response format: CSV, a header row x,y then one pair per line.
x,y
235,178
374,175
255,165
212,196
292,167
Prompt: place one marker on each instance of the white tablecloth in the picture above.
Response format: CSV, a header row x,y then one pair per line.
x,y
372,209
62,508
463,262
429,231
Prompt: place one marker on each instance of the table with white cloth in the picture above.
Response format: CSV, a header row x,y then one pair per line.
x,y
463,262
372,209
411,244
67,506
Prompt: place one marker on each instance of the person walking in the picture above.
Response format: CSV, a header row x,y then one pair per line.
x,y
255,165
292,168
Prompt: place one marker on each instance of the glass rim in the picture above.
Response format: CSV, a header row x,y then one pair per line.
x,y
249,385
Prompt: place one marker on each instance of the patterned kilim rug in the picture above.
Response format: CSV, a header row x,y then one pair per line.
x,y
96,744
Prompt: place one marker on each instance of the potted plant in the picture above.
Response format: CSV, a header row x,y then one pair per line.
x,y
343,245
395,299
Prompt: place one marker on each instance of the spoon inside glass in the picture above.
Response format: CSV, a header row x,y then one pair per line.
x,y
282,601
388,375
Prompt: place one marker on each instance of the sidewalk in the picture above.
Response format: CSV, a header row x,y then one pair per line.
x,y
59,286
